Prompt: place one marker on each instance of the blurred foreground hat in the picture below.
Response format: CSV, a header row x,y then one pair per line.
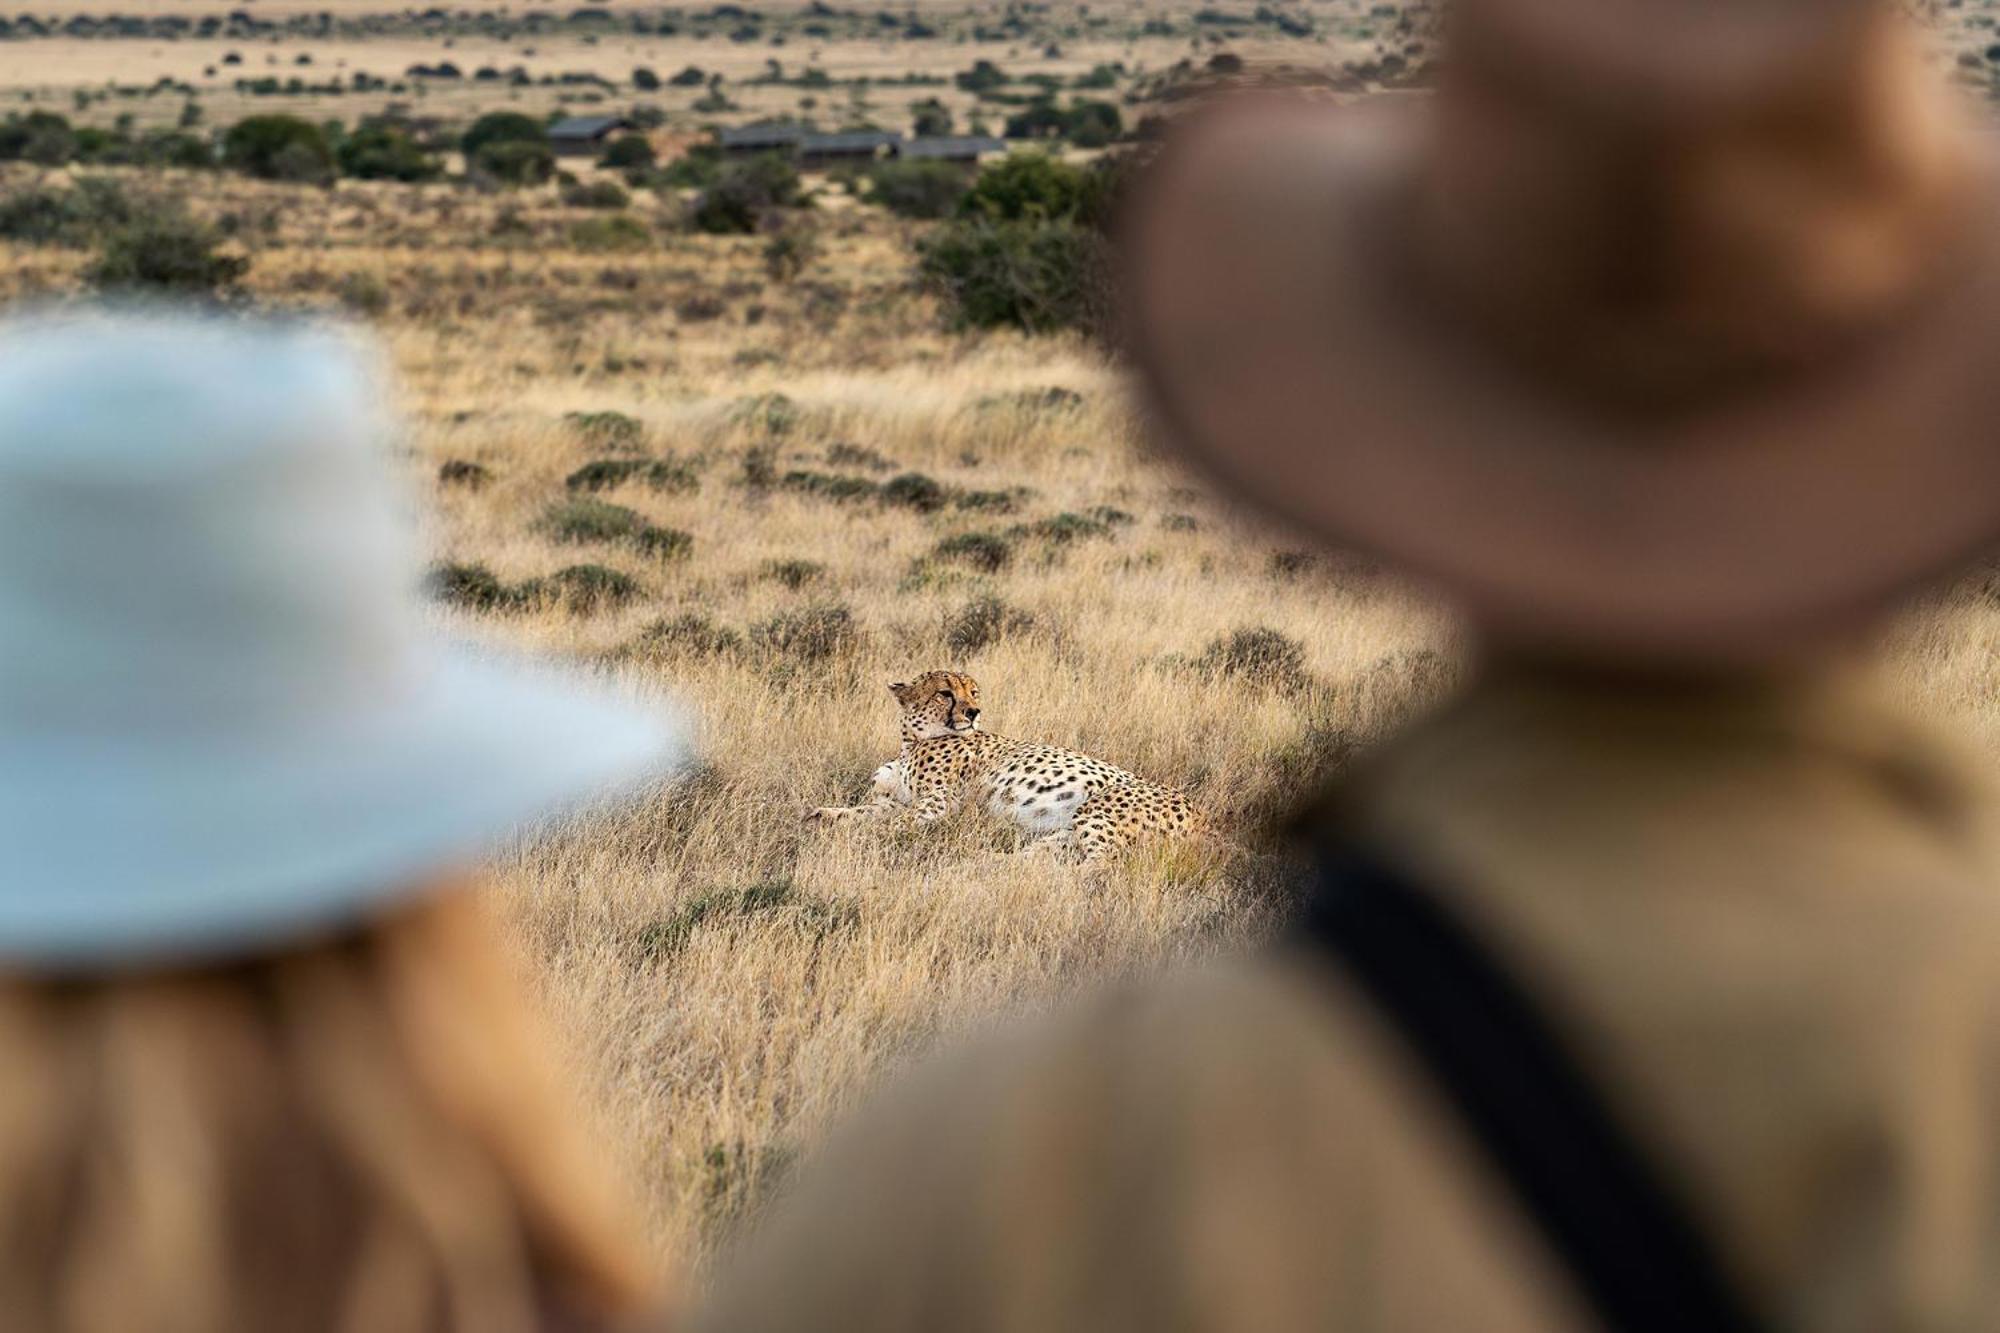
x,y
1663,328
222,719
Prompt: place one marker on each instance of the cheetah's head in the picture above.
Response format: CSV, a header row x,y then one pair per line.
x,y
938,703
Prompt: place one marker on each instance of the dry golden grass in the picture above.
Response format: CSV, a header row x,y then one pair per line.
x,y
726,978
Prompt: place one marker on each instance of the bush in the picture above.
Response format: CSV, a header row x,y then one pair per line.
x,y
744,193
502,127
78,217
280,148
696,169
930,118
39,136
984,621
606,428
364,294
471,587
811,634
515,162
587,588
987,551
794,574
166,253
596,194
1261,655
788,252
620,231
691,633
463,472
1035,276
628,152
914,490
386,152
1035,187
645,80
662,474
925,189
584,520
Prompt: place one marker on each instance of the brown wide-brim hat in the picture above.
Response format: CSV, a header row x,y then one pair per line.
x,y
1678,340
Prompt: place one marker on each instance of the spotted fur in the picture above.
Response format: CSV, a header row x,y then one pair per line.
x,y
1065,802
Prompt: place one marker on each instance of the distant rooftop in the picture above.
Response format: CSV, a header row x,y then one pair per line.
x,y
763,136
849,141
585,127
948,145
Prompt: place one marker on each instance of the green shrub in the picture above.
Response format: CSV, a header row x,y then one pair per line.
x,y
1067,528
987,551
168,253
619,231
364,294
464,472
744,193
1034,187
696,169
77,217
471,587
794,574
628,152
279,147
380,151
587,588
515,162
810,634
914,490
596,194
583,520
788,252
924,188
691,633
606,428
502,127
662,474
1264,656
830,485
983,621
40,136
1035,276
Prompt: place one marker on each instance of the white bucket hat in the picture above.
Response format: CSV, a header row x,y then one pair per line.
x,y
223,720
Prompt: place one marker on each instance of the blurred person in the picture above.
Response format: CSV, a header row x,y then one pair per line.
x,y
265,1064
1655,982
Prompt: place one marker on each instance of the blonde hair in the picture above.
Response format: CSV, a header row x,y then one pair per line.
x,y
357,1135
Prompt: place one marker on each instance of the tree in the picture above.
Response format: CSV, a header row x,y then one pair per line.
x,y
515,161
929,118
381,151
1036,276
983,77
39,136
917,189
502,127
645,80
628,152
278,147
743,193
1033,187
170,253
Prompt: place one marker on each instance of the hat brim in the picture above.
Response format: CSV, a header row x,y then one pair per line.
x,y
154,850
1283,356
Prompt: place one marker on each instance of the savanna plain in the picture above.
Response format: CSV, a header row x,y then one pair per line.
x,y
765,471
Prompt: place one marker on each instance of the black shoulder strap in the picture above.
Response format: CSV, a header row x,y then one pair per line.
x,y
1634,1253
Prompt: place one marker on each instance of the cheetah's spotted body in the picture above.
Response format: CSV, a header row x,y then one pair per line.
x,y
1064,801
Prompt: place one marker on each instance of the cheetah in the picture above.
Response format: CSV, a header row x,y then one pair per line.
x,y
1067,803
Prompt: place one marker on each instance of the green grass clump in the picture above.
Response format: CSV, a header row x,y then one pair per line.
x,y
987,551
582,520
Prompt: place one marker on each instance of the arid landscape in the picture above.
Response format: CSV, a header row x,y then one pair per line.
x,y
766,471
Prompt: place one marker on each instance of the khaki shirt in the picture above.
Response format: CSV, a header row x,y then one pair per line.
x,y
1767,917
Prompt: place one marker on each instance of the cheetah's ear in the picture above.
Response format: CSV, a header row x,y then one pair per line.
x,y
896,687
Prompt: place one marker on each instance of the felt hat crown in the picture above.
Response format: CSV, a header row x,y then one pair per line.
x,y
1659,328
224,720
